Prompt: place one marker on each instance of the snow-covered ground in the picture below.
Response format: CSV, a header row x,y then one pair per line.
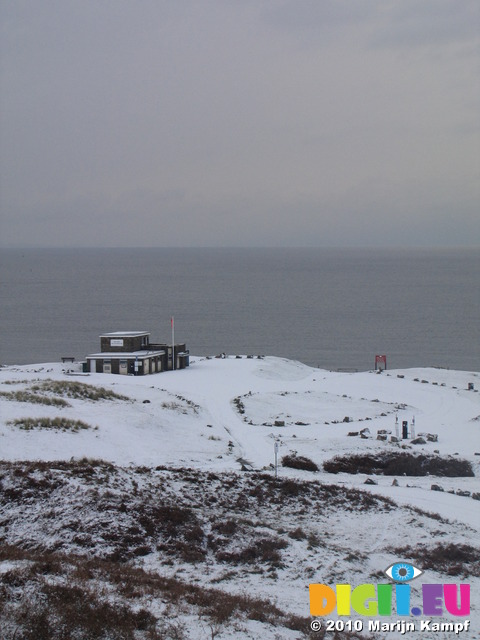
x,y
191,417
218,417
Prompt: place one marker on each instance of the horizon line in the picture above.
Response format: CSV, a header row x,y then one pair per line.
x,y
244,247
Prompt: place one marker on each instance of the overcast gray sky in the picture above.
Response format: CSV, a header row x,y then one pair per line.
x,y
240,123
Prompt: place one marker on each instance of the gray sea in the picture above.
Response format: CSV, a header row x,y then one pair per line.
x,y
331,308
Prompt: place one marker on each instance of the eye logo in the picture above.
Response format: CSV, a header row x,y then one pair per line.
x,y
402,572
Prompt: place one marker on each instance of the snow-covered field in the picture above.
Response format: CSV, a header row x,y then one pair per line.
x,y
204,438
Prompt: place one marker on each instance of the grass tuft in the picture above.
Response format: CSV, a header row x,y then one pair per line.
x,y
76,390
33,398
58,424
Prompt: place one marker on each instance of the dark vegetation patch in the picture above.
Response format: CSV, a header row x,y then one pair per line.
x,y
54,597
90,507
451,559
58,611
399,464
24,483
429,514
299,462
79,526
264,550
314,495
57,424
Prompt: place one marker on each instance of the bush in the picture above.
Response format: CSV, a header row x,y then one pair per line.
x,y
299,462
297,534
226,528
400,464
264,550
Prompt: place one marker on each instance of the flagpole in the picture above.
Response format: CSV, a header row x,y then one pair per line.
x,y
173,342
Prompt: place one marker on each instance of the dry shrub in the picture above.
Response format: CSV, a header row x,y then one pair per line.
x,y
299,462
400,464
264,550
227,528
297,534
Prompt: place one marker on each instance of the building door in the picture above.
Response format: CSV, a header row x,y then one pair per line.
x,y
107,366
123,369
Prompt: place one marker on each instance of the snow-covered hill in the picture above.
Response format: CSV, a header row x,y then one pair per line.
x,y
187,488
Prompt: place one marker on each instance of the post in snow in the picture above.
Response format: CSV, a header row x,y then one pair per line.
x,y
275,446
172,323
